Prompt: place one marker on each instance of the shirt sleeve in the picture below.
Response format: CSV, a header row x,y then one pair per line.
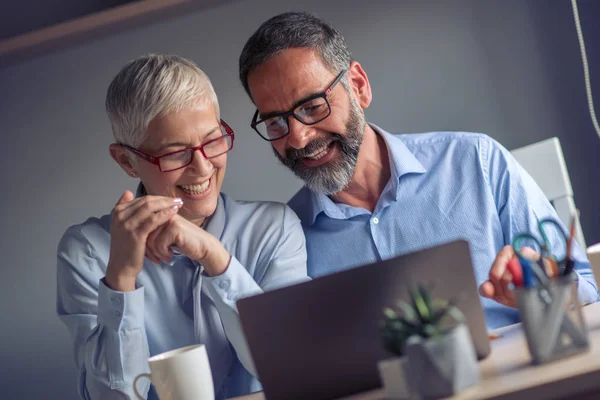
x,y
107,327
286,266
521,204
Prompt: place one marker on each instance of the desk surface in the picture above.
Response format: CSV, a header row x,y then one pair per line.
x,y
507,373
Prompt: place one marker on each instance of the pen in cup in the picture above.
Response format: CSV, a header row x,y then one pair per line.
x,y
569,262
527,273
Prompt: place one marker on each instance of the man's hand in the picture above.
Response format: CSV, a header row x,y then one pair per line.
x,y
497,287
190,240
132,221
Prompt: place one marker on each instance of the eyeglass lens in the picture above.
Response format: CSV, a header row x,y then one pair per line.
x,y
182,158
308,113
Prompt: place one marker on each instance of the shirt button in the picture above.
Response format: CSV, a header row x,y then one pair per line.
x,y
116,300
231,296
375,220
224,284
117,314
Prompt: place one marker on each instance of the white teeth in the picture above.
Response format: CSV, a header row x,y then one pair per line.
x,y
315,155
195,189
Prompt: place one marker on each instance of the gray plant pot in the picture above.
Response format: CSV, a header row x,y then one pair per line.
x,y
443,366
392,372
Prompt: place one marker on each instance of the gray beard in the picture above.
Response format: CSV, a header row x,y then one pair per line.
x,y
334,176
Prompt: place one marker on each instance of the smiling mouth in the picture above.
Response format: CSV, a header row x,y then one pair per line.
x,y
195,189
320,152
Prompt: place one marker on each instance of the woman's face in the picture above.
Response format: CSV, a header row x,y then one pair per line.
x,y
197,184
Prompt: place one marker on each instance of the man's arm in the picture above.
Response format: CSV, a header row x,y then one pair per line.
x,y
521,204
107,327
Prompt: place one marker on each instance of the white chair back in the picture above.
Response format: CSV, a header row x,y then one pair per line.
x,y
545,162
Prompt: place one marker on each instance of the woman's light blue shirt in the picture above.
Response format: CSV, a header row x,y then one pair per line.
x,y
174,305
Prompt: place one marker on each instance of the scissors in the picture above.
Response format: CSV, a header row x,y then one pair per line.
x,y
544,248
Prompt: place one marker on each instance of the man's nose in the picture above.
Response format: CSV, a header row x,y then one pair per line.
x,y
300,134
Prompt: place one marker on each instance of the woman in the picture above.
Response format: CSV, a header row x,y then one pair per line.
x,y
164,270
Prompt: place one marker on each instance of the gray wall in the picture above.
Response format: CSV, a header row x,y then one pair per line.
x,y
509,68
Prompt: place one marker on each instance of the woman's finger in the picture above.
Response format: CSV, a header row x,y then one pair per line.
x,y
156,222
139,209
126,197
155,242
151,256
124,201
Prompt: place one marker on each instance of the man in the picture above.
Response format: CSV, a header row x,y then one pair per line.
x,y
370,195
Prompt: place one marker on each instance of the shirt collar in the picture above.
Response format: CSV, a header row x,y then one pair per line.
x,y
402,162
141,191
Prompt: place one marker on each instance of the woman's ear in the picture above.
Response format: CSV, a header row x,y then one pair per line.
x,y
122,157
359,84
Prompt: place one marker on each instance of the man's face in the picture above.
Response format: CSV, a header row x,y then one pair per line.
x,y
324,154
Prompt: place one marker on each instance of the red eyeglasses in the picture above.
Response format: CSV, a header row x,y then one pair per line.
x,y
182,158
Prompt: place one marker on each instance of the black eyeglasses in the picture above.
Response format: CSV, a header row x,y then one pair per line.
x,y
310,111
182,158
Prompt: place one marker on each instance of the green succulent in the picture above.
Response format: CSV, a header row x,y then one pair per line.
x,y
422,316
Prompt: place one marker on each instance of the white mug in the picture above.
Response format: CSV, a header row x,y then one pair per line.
x,y
593,254
180,374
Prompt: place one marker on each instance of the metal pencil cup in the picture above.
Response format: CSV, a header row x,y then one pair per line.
x,y
552,320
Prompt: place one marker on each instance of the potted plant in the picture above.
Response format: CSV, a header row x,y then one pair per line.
x,y
434,353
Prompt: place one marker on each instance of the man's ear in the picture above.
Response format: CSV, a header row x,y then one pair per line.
x,y
359,84
122,157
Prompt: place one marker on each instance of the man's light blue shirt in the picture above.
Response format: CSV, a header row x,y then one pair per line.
x,y
176,304
444,186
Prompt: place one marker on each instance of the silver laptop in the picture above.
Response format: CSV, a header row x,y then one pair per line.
x,y
320,339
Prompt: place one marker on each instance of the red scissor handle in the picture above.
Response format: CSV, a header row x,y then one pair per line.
x,y
514,266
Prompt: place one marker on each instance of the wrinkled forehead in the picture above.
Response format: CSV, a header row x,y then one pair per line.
x,y
281,81
188,126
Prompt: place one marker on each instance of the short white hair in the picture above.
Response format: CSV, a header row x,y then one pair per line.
x,y
150,86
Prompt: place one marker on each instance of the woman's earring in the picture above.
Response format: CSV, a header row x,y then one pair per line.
x,y
132,174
